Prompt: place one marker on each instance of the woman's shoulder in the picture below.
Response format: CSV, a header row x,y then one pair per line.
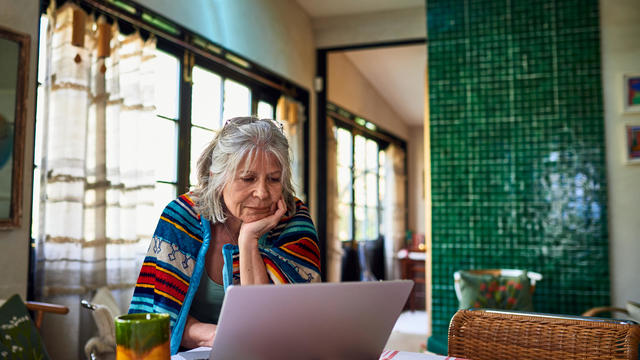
x,y
301,208
180,221
183,205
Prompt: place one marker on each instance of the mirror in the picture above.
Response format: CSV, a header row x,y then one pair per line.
x,y
14,62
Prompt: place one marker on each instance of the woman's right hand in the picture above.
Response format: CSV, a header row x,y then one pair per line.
x,y
197,334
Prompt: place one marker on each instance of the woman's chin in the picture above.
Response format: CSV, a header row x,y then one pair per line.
x,y
254,217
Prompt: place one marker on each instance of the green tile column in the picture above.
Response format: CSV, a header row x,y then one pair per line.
x,y
517,148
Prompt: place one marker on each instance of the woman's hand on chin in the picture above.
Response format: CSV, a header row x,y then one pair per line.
x,y
255,229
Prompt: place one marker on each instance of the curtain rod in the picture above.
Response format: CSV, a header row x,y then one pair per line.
x,y
186,45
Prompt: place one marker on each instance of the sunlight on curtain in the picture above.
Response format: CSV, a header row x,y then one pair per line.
x,y
96,213
291,114
395,209
334,244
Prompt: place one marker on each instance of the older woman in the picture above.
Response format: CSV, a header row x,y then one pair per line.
x,y
241,225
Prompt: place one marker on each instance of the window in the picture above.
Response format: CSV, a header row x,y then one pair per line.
x,y
215,94
211,103
265,110
188,111
360,185
206,114
165,130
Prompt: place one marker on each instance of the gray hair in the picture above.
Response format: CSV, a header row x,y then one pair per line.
x,y
240,137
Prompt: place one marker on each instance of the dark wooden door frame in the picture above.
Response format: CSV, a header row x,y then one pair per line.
x,y
321,135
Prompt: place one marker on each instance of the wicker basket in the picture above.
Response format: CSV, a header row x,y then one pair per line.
x,y
488,334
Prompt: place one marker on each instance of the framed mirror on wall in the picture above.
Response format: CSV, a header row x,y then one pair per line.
x,y
14,62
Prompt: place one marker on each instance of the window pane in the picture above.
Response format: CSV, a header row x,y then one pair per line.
x,y
344,184
359,191
237,100
163,195
382,159
165,135
359,153
345,232
37,151
372,223
167,84
265,110
42,50
372,189
382,192
372,155
35,205
345,149
205,98
199,140
360,223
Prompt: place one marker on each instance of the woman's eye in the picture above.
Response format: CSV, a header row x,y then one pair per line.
x,y
247,179
275,180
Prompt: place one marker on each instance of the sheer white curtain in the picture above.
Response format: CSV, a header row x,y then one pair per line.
x,y
334,245
395,209
96,219
291,114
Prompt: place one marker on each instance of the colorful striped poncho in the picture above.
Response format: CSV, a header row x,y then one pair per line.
x,y
175,260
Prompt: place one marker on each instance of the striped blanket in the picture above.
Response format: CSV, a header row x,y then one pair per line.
x,y
175,260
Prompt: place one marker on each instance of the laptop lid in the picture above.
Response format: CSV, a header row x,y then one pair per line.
x,y
349,320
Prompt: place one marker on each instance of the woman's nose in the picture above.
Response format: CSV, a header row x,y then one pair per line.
x,y
261,191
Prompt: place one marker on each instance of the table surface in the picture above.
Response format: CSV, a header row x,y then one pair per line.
x,y
203,353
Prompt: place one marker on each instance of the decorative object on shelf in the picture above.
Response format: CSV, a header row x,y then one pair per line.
x,y
631,93
632,144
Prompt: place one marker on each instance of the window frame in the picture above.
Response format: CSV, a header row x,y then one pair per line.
x,y
264,85
346,120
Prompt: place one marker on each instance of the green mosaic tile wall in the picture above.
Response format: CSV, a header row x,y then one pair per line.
x,y
517,148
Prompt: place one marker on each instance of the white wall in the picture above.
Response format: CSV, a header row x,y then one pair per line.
x,y
348,88
416,191
373,27
276,34
620,32
20,16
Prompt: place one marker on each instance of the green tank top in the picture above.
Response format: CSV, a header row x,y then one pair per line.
x,y
207,302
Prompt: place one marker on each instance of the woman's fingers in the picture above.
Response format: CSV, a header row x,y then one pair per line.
x,y
264,225
275,218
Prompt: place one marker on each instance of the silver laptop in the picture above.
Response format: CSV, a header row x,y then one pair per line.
x,y
350,320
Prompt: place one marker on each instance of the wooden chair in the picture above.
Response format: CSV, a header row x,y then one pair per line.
x,y
20,330
491,334
39,308
631,310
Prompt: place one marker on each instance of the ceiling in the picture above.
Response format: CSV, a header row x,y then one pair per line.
x,y
397,72
327,8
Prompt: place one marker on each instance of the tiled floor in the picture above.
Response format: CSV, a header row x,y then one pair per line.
x,y
409,333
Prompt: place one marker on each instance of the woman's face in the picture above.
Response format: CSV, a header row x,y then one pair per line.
x,y
253,192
